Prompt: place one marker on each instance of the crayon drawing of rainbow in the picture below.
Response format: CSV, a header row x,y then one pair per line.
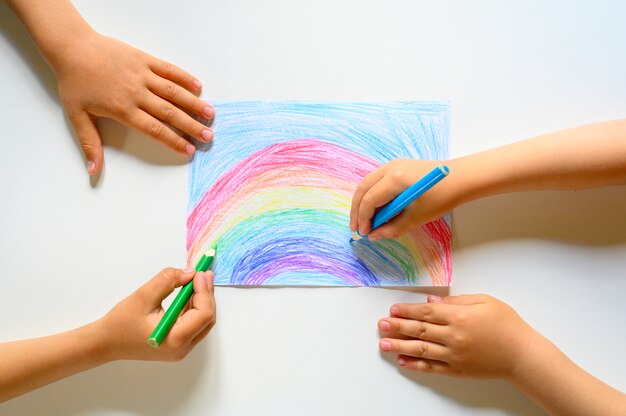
x,y
273,191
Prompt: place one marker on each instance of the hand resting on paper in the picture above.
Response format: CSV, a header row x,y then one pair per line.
x,y
481,337
121,334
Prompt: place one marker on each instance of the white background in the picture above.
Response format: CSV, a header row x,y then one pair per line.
x,y
71,248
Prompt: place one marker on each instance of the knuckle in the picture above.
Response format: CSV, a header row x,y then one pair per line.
x,y
420,349
118,108
169,274
157,130
171,91
420,330
168,113
397,175
180,143
423,349
367,199
169,69
462,318
391,234
425,311
460,340
175,346
206,318
425,366
88,148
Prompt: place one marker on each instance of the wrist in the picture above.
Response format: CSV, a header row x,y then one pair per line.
x,y
98,343
60,51
54,26
534,355
464,181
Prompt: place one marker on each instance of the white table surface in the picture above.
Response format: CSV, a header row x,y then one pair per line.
x,y
70,249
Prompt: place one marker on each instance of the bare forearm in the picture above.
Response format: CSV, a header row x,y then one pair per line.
x,y
53,24
583,157
30,364
560,387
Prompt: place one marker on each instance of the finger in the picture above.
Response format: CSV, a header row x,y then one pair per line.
x,y
434,299
375,197
415,348
164,283
426,312
154,128
463,299
367,182
181,97
203,292
208,277
414,329
201,336
173,73
396,227
90,141
424,366
177,118
201,316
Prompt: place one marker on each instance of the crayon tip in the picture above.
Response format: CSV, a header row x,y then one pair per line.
x,y
355,237
211,251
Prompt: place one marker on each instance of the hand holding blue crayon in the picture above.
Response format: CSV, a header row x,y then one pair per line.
x,y
377,187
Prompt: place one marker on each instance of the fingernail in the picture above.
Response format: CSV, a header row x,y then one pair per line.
x,y
402,362
91,165
207,134
190,149
394,310
433,298
188,270
385,345
197,84
385,326
208,111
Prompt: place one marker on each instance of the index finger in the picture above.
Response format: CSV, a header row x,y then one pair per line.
x,y
368,181
170,71
163,284
436,313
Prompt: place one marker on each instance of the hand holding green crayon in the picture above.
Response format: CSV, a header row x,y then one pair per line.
x,y
172,313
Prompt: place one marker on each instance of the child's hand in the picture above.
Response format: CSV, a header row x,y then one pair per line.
x,y
385,183
128,325
470,335
103,77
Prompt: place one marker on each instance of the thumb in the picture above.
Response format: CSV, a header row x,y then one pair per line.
x,y
90,141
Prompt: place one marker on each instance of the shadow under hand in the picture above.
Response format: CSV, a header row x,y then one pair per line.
x,y
129,141
480,394
149,388
591,217
17,36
